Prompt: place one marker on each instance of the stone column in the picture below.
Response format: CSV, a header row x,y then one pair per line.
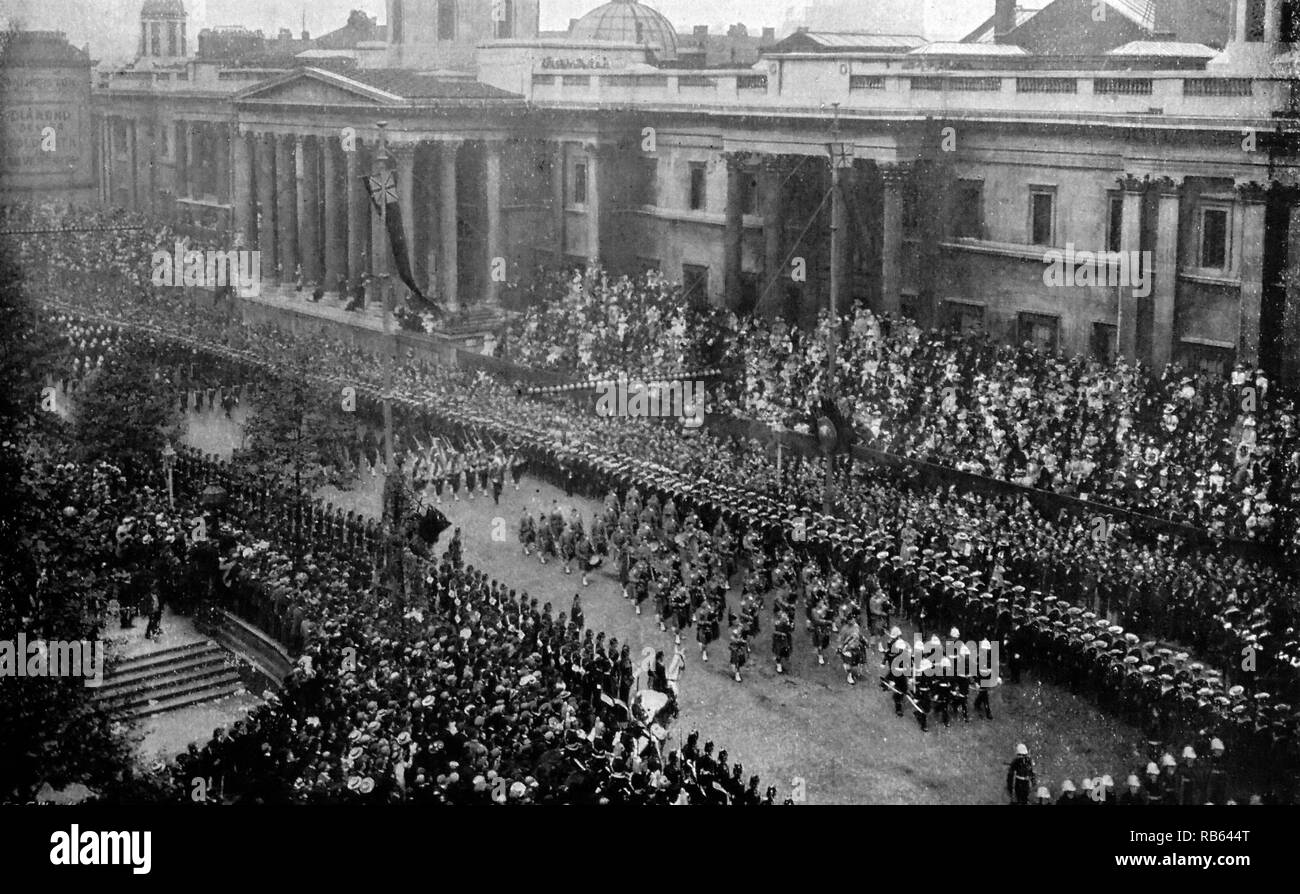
x,y
358,218
193,163
557,198
1130,240
309,206
286,209
264,145
447,151
1251,201
105,160
181,183
221,162
894,177
1164,288
243,214
774,271
1288,352
492,200
336,219
734,232
593,203
133,140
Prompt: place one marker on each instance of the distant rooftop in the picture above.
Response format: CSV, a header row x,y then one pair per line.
x,y
846,41
1165,48
955,48
412,85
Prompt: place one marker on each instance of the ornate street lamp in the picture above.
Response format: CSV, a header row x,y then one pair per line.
x,y
169,464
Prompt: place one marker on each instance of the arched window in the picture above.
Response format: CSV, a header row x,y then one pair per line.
x,y
446,19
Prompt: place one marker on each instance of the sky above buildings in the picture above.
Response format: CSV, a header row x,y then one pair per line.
x,y
109,26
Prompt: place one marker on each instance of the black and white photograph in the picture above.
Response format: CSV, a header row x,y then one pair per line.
x,y
792,403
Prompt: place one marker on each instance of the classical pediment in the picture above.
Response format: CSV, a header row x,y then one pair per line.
x,y
312,86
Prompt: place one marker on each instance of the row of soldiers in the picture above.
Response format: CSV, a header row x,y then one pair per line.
x,y
1188,782
471,465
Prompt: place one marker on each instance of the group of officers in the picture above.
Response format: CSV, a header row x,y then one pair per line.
x,y
1190,781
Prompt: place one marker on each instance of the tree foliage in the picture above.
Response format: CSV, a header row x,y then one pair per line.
x,y
127,414
51,581
296,428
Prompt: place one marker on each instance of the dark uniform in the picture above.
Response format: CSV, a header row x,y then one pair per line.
x,y
1020,779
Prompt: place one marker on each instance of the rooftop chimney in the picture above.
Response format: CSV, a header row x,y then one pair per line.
x,y
769,35
1004,20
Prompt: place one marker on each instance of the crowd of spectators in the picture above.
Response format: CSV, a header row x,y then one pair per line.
x,y
1221,454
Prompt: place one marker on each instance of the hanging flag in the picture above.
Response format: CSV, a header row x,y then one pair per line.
x,y
382,189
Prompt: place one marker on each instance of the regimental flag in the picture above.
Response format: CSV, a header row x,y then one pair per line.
x,y
382,189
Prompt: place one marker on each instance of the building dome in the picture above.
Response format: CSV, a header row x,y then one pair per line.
x,y
162,9
628,21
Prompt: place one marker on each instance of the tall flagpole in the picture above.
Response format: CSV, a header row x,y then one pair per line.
x,y
395,557
839,160
385,284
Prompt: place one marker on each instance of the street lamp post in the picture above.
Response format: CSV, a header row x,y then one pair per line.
x,y
841,160
394,556
385,162
169,463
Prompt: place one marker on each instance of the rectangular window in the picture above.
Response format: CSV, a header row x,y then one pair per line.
x,y
1214,238
748,193
962,317
1114,223
1040,330
968,213
580,183
699,194
1210,359
1105,339
646,186
695,282
1042,216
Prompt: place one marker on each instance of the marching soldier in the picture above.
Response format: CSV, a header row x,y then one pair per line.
x,y
575,612
852,646
782,640
987,679
527,531
941,687
567,549
517,464
1021,777
820,622
498,472
739,649
922,699
706,628
583,553
1216,781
